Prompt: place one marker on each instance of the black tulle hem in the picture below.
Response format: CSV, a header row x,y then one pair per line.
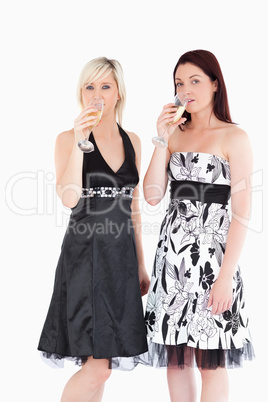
x,y
56,360
168,356
174,357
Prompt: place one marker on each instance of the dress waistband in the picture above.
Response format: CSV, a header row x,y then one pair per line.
x,y
125,192
197,191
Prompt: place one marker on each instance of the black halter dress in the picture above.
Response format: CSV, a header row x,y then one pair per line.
x,y
96,308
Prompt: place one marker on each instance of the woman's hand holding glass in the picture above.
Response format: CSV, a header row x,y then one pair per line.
x,y
83,124
169,119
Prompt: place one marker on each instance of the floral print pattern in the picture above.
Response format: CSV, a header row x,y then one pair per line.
x,y
188,259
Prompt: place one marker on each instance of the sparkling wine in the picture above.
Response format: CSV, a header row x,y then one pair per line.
x,y
85,145
98,114
180,110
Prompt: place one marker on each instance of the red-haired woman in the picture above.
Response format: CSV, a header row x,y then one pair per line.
x,y
196,309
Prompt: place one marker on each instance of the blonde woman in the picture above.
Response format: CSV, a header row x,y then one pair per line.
x,y
96,312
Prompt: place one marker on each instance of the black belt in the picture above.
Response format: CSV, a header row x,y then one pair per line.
x,y
197,191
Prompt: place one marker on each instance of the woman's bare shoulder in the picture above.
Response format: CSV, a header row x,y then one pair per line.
x,y
65,140
133,136
235,135
67,135
135,139
237,143
64,145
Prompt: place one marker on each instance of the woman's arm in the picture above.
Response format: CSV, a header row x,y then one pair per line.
x,y
68,162
136,220
240,159
69,159
156,178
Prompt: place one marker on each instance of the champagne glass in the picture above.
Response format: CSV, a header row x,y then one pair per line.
x,y
85,145
180,101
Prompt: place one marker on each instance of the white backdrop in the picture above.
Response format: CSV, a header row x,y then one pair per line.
x,y
44,47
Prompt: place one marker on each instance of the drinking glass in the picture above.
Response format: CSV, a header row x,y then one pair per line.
x,y
180,101
85,145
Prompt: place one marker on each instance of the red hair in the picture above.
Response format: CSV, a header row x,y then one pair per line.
x,y
210,65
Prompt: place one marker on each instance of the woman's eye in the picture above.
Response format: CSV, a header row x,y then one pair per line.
x,y
195,81
179,84
90,87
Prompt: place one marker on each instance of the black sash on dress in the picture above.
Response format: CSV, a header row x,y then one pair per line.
x,y
198,191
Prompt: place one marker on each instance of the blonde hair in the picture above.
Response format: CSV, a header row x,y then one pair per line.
x,y
98,67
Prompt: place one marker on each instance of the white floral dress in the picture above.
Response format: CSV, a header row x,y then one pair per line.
x,y
187,263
